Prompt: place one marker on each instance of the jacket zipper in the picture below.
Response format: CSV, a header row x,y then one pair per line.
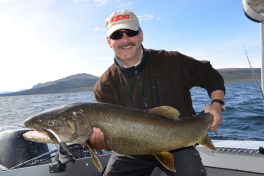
x,y
156,90
142,89
129,98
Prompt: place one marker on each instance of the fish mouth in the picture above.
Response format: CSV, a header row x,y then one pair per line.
x,y
42,136
51,135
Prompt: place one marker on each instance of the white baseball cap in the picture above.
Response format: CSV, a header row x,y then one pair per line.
x,y
123,19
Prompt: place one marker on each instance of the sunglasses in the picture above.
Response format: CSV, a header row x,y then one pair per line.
x,y
119,34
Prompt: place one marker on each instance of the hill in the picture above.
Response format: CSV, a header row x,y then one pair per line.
x,y
74,83
238,74
85,82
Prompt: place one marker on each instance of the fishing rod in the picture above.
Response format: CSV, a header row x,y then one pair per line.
x,y
33,159
254,75
261,149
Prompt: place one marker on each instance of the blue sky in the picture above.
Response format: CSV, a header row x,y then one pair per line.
x,y
45,40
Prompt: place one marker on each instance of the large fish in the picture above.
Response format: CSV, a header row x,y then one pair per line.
x,y
126,130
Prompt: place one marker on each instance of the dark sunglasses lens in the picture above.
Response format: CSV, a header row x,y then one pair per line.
x,y
116,35
131,33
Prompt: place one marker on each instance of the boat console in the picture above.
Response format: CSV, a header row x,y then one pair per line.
x,y
14,149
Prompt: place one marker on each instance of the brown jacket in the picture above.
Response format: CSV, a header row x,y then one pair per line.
x,y
162,78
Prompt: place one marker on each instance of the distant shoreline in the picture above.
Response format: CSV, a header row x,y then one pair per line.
x,y
238,74
84,82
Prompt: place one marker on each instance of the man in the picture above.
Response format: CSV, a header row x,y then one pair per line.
x,y
143,79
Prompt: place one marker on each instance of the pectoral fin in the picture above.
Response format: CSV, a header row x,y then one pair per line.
x,y
95,159
207,143
167,160
216,133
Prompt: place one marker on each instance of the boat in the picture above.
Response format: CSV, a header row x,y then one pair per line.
x,y
23,158
233,158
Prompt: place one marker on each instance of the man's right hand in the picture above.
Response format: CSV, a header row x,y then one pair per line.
x,y
97,140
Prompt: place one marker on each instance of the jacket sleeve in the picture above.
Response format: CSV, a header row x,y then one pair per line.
x,y
103,93
202,74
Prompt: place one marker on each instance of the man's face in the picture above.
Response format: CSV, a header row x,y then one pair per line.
x,y
128,49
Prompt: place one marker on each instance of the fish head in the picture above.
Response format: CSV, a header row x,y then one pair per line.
x,y
62,124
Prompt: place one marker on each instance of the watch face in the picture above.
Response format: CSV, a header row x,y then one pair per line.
x,y
223,107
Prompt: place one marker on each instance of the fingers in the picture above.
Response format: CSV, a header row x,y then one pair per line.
x,y
97,140
216,123
216,111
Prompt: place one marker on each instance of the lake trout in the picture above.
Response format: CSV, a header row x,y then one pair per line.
x,y
127,130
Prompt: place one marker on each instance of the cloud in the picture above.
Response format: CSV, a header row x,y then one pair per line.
x,y
99,29
228,53
121,5
102,2
77,1
98,2
145,17
53,16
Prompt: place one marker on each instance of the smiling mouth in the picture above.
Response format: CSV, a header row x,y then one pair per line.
x,y
127,45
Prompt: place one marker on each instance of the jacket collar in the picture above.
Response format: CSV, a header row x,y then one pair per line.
x,y
132,71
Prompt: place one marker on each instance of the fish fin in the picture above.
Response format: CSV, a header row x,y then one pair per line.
x,y
95,159
167,160
166,111
85,126
216,133
208,143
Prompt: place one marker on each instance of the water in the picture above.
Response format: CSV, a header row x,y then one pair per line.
x,y
15,109
242,120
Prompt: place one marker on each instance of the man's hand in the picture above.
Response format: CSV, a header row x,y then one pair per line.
x,y
97,140
216,110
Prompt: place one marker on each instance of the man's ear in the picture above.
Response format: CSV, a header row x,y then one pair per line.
x,y
141,36
109,41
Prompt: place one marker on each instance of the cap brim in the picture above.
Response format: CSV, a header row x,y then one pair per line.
x,y
132,26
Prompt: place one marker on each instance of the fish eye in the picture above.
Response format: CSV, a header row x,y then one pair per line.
x,y
51,122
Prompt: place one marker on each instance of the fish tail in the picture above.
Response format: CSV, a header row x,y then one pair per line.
x,y
208,143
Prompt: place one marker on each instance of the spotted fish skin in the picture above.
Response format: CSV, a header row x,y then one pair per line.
x,y
126,130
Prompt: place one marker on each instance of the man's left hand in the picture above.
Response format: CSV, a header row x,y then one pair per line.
x,y
216,110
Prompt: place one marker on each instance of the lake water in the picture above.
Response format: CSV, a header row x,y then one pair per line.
x,y
242,120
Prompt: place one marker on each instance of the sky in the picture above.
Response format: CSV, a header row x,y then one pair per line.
x,y
46,40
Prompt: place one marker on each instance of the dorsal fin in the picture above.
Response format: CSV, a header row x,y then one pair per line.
x,y
166,111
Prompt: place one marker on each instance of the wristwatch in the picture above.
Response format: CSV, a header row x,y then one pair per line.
x,y
219,101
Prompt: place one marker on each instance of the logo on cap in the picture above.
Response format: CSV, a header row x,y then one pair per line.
x,y
119,17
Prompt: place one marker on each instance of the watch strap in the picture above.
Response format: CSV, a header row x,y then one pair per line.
x,y
218,101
